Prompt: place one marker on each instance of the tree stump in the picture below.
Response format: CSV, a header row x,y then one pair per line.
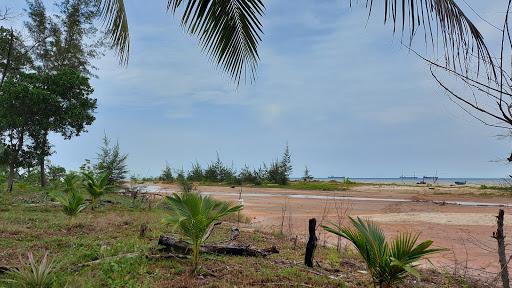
x,y
500,238
311,245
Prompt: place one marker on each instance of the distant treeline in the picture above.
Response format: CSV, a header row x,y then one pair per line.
x,y
278,172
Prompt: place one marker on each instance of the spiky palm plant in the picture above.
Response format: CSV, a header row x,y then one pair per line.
x,y
33,273
388,263
72,202
194,215
71,183
229,31
96,187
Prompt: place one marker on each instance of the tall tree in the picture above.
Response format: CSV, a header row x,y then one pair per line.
x,y
67,40
65,109
16,110
13,54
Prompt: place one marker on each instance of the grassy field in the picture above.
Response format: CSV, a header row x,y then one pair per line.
x,y
29,221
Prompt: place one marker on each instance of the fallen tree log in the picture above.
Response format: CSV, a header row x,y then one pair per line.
x,y
170,242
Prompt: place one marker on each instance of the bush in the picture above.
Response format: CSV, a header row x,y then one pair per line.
x,y
194,215
196,173
388,263
96,187
72,203
111,162
166,174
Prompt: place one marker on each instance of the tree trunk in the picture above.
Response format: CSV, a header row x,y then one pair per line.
x,y
10,178
311,245
42,172
500,237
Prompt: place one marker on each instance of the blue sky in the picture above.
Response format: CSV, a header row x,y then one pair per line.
x,y
340,90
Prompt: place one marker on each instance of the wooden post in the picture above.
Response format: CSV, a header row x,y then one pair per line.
x,y
311,245
500,237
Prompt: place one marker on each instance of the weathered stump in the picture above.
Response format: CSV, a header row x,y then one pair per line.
x,y
311,245
500,238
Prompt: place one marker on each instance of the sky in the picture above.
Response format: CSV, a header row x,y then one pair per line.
x,y
339,89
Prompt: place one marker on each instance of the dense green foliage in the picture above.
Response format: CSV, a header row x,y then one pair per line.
x,y
45,81
96,186
111,162
166,175
194,215
388,263
217,172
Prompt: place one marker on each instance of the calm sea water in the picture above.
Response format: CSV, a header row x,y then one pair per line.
x,y
445,181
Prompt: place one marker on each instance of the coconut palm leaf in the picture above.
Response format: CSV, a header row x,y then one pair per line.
x,y
193,216
388,263
229,31
444,25
115,20
96,187
72,203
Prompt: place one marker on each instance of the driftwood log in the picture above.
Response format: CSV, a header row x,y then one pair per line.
x,y
170,242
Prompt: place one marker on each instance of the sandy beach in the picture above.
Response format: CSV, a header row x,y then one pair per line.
x,y
460,219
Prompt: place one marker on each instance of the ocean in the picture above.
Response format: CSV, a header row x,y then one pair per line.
x,y
444,181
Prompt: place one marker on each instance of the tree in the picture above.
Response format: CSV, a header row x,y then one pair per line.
x,y
167,174
16,111
13,56
196,173
307,177
111,162
230,31
286,163
66,108
68,40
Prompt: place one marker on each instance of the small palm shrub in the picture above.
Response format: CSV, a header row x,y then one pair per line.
x,y
96,187
388,263
33,273
71,182
194,215
72,202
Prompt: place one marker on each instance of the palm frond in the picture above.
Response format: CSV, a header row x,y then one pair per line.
x,y
193,216
115,20
228,31
441,20
387,263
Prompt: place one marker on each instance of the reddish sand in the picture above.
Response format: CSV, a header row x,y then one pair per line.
x,y
465,230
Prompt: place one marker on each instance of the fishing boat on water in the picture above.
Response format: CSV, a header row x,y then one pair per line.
x,y
460,182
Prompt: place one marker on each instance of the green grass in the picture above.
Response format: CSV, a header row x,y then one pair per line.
x,y
29,221
313,185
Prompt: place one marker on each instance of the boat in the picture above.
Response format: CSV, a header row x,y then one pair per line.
x,y
460,182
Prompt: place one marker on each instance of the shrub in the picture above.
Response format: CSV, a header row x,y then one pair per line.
x,y
111,162
196,173
166,174
72,203
185,185
388,263
33,273
96,187
194,215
